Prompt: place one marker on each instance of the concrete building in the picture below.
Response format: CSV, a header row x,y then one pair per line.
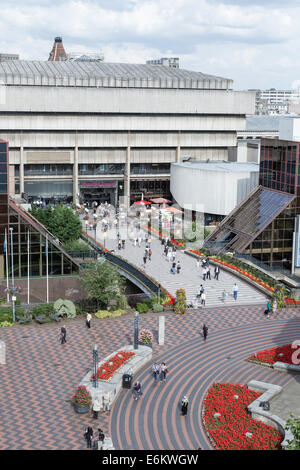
x,y
165,61
217,186
4,57
105,130
274,101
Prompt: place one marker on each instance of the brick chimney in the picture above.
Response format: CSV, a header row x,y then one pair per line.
x,y
58,52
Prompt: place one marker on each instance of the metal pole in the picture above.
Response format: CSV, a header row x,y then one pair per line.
x,y
28,266
136,330
12,271
158,294
95,365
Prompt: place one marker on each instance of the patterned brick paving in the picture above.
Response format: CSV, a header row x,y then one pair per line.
x,y
40,375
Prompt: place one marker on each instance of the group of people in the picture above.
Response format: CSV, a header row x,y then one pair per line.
x,y
93,439
159,371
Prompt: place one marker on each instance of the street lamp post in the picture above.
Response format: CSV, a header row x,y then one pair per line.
x,y
136,330
12,271
104,237
95,365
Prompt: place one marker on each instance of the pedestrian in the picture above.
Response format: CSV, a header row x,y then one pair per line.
x,y
169,255
119,244
224,295
150,254
88,320
235,291
203,298
123,244
184,405
96,406
137,390
208,273
88,434
217,272
204,273
268,310
63,334
205,331
145,260
274,306
163,372
173,268
101,435
155,371
106,401
198,263
139,241
178,268
135,240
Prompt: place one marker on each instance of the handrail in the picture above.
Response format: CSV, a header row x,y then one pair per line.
x,y
124,264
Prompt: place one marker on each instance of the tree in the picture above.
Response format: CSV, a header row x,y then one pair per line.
x,y
103,283
60,221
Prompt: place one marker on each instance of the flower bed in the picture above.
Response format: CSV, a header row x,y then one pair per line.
x,y
279,354
107,370
229,424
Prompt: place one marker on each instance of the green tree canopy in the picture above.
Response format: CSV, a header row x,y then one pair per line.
x,y
103,283
60,221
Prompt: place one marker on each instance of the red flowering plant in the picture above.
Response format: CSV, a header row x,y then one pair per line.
x,y
107,370
278,354
229,424
82,396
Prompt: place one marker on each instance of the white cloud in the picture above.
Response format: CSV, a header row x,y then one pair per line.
x,y
254,42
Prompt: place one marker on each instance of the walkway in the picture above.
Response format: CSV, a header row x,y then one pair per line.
x,y
40,376
190,276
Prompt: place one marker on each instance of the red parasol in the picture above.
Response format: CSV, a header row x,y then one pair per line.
x,y
142,202
160,200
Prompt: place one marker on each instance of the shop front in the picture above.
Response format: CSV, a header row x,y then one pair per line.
x,y
99,191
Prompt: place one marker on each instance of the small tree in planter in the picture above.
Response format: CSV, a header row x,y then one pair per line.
x,y
82,399
180,305
145,337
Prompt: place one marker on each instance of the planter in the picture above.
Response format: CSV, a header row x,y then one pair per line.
x,y
144,344
81,409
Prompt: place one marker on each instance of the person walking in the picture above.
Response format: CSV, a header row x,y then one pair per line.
x,y
184,405
88,434
163,372
173,268
235,291
137,390
208,273
63,334
149,254
169,255
119,245
203,298
139,241
178,268
275,305
204,273
145,260
88,320
205,331
123,244
106,401
198,263
155,371
96,406
224,295
268,310
217,272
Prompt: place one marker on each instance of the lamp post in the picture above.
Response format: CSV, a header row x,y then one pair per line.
x,y
136,330
12,272
104,237
95,365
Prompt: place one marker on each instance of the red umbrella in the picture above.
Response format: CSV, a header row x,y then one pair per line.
x,y
142,202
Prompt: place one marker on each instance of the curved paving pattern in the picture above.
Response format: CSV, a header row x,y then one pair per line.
x,y
190,276
40,376
155,421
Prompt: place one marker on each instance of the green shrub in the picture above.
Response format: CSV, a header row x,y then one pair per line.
x,y
157,308
122,302
148,302
142,307
6,313
5,323
106,314
43,309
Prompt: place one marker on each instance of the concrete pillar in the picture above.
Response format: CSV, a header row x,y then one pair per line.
x,y
178,149
11,180
21,164
75,171
127,174
161,330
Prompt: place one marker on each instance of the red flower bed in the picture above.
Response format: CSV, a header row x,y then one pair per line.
x,y
107,370
270,356
228,431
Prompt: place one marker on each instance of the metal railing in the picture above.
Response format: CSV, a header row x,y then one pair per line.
x,y
124,265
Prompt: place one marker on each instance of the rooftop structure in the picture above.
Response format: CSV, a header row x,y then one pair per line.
x,y
85,57
165,61
58,52
99,74
6,57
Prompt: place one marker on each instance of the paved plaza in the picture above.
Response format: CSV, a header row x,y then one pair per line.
x,y
190,277
40,376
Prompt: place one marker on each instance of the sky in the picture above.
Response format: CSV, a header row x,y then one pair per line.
x,y
254,42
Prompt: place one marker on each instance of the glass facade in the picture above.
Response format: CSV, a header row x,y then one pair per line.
x,y
25,228
101,169
262,227
47,170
